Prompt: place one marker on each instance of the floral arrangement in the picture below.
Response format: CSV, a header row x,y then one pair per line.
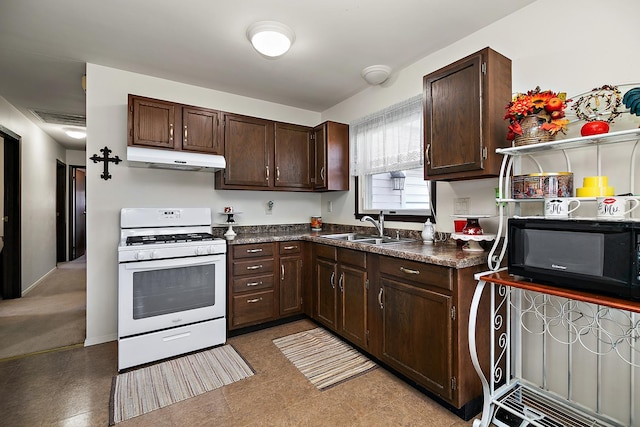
x,y
546,105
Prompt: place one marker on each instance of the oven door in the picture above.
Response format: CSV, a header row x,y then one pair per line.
x,y
161,294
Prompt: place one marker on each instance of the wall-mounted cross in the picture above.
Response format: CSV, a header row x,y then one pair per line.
x,y
106,159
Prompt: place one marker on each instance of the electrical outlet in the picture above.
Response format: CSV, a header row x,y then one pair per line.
x,y
269,208
461,206
329,206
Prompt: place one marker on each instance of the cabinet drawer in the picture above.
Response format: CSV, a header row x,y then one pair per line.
x,y
252,283
289,248
419,272
324,251
257,266
351,257
252,308
253,250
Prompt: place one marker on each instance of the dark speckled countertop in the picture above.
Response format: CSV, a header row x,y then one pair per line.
x,y
446,254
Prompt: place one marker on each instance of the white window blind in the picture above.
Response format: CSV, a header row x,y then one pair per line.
x,y
389,140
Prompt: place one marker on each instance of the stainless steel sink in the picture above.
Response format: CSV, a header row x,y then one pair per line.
x,y
367,239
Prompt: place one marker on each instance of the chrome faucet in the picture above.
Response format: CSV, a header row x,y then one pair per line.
x,y
379,224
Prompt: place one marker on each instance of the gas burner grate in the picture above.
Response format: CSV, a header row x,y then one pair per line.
x,y
168,238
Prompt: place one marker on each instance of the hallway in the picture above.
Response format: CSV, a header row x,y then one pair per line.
x,y
51,315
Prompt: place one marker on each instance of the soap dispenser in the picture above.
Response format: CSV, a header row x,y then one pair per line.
x,y
427,232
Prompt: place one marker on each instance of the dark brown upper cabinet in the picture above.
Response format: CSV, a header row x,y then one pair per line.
x,y
161,124
464,106
293,156
331,148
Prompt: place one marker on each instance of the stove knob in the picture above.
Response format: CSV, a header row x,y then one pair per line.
x,y
140,255
153,254
201,250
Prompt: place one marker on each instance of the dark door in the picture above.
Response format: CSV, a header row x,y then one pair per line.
x,y
293,156
326,294
10,264
78,211
61,217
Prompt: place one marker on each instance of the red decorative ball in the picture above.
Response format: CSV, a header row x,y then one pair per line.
x,y
595,127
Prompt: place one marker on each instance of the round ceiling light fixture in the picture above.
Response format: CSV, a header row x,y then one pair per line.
x,y
75,133
270,38
376,74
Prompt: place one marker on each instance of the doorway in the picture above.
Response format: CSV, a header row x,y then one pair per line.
x,y
61,214
10,253
77,211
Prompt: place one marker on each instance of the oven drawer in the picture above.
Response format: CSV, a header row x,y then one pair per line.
x,y
255,250
263,266
252,308
133,351
252,283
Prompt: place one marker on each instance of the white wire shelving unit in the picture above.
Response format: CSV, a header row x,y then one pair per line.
x,y
509,399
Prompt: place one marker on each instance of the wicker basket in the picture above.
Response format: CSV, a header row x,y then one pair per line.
x,y
532,132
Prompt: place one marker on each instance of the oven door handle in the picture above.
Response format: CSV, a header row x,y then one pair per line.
x,y
173,262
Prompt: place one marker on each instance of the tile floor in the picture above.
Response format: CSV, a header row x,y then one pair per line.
x,y
71,388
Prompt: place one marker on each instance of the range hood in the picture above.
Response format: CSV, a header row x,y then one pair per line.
x,y
169,159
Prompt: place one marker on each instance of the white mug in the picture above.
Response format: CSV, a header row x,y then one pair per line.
x,y
614,207
559,207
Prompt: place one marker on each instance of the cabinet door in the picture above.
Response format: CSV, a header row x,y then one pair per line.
x,y
248,145
293,156
326,278
464,117
353,304
417,330
453,118
331,149
290,285
200,130
320,154
151,122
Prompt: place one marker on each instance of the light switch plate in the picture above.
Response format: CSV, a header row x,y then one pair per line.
x,y
461,206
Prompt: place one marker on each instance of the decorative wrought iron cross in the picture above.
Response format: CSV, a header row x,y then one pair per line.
x,y
106,159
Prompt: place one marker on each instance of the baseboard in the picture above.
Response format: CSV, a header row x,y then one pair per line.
x,y
37,282
100,340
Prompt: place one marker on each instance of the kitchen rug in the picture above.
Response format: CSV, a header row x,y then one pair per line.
x,y
322,358
153,387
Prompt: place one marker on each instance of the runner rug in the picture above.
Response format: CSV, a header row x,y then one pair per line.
x,y
322,358
143,390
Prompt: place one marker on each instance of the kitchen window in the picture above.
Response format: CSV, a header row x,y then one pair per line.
x,y
387,162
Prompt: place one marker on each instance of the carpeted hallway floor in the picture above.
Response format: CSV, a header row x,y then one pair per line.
x,y
52,315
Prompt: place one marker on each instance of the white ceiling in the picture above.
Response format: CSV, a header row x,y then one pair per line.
x,y
44,45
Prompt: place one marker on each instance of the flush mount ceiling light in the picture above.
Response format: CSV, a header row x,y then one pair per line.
x,y
376,74
270,38
75,133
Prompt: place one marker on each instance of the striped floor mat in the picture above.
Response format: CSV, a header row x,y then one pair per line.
x,y
322,358
143,390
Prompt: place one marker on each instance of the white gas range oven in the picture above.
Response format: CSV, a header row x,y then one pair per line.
x,y
171,284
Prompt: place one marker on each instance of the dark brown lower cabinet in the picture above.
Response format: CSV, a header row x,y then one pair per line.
x,y
290,278
325,269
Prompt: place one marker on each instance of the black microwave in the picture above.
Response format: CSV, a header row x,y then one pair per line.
x,y
592,255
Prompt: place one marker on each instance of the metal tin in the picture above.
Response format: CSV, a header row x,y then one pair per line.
x,y
540,185
316,223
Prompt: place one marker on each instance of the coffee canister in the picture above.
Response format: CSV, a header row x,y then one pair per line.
x,y
316,223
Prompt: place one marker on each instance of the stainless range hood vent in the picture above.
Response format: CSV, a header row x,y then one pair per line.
x,y
171,159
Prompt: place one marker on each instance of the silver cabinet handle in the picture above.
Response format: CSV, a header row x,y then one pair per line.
x,y
341,281
322,173
254,267
267,168
288,248
252,251
409,271
332,280
426,154
277,173
185,133
254,283
252,301
380,299
282,272
170,131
